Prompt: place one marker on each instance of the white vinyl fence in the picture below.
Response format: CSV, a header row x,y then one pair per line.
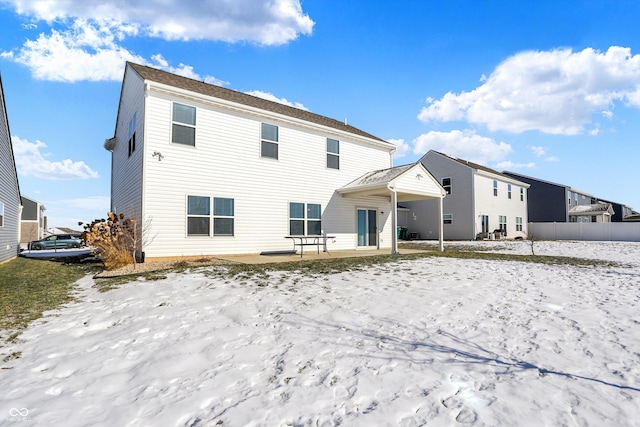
x,y
600,231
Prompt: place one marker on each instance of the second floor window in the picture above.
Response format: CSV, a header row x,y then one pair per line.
x,y
269,141
183,128
509,191
447,218
521,194
495,187
132,135
333,153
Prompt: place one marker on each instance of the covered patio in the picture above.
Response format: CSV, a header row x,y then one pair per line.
x,y
398,184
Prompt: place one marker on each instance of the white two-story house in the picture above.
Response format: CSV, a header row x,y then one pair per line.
x,y
479,202
10,206
205,170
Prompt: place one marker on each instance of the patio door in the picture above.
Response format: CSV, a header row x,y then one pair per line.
x,y
367,228
484,220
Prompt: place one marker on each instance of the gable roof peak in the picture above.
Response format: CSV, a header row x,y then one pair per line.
x,y
208,89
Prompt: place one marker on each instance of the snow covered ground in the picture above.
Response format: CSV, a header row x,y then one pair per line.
x,y
436,342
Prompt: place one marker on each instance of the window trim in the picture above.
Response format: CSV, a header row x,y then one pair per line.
x,y
175,123
332,154
448,187
212,216
190,215
266,140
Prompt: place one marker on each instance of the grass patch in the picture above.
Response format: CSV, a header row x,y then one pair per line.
x,y
29,287
324,267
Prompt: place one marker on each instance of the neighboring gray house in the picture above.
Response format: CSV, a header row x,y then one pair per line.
x,y
553,202
33,221
479,202
9,189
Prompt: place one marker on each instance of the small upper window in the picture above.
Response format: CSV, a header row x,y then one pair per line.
x,y
446,184
269,141
184,125
333,153
495,187
521,194
447,218
1,214
508,191
132,135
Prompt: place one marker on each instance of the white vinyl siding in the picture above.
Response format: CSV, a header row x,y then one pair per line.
x,y
227,163
9,191
127,171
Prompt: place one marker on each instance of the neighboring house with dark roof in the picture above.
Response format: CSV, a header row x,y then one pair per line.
x,y
553,202
33,221
479,202
205,170
621,212
9,189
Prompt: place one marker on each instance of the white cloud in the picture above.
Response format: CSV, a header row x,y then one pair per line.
x,y
509,165
466,145
556,92
539,151
30,161
271,97
265,22
88,51
402,148
552,159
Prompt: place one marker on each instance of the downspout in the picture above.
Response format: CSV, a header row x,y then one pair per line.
x,y
441,225
394,220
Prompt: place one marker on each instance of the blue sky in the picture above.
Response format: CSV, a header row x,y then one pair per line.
x,y
549,89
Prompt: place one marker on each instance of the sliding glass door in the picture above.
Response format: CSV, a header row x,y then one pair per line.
x,y
367,228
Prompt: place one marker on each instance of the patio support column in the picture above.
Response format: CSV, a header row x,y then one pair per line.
x,y
394,221
440,226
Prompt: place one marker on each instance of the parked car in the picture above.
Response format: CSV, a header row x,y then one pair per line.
x,y
57,241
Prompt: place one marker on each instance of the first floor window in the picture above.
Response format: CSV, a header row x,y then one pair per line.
x,y
447,218
222,216
198,215
305,219
518,223
1,214
503,223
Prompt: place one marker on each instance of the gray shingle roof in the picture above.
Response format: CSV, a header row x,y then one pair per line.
x,y
380,176
192,85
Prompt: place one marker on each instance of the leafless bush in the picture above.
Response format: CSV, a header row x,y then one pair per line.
x,y
113,239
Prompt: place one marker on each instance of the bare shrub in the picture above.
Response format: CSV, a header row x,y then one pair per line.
x,y
113,239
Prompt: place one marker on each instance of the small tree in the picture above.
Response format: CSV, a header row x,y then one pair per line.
x,y
113,239
532,240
